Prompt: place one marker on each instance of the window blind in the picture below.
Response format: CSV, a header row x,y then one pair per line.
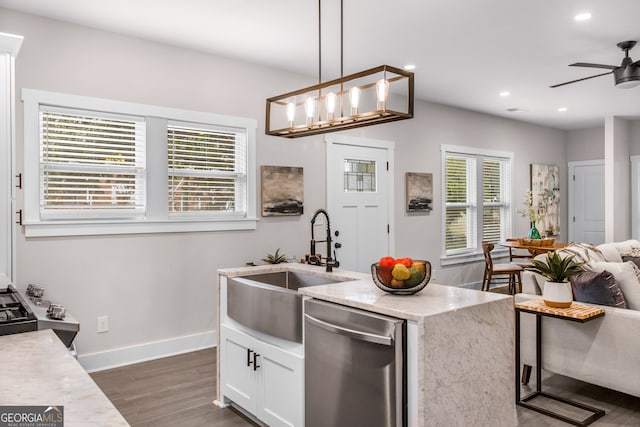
x,y
493,201
457,202
91,165
207,169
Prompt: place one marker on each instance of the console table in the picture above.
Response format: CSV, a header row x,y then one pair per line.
x,y
576,313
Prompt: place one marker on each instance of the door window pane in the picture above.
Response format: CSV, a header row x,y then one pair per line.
x,y
359,175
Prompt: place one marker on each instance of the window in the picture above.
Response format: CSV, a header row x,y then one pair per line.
x,y
359,176
91,165
207,169
96,166
477,201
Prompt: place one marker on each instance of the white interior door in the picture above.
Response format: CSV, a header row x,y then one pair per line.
x,y
586,202
359,191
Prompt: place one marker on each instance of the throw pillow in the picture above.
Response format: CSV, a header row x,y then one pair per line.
x,y
610,252
597,288
626,275
582,253
635,252
633,259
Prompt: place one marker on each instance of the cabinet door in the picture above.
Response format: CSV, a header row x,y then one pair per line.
x,y
281,391
238,378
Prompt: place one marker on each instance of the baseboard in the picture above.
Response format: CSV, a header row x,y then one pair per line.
x,y
148,351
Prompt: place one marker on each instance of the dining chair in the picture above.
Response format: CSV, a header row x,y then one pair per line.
x,y
508,273
519,254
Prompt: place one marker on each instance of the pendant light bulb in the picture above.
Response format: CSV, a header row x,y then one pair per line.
x,y
331,105
309,109
382,91
291,113
354,99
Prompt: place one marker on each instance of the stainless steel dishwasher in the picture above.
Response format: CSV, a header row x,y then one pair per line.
x,y
355,371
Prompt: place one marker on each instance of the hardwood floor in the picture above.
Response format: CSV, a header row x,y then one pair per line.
x,y
179,391
174,391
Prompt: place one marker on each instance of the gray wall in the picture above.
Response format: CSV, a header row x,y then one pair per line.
x,y
139,280
634,137
585,144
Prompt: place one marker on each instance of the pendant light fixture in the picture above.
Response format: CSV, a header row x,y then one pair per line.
x,y
378,95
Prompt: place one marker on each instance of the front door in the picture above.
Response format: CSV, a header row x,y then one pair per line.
x,y
359,189
586,202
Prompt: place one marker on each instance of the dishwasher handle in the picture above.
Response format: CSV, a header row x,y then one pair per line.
x,y
358,335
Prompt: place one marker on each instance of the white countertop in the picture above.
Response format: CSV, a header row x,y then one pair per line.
x,y
432,300
41,371
362,293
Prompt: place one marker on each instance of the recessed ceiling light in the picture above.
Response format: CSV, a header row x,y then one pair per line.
x,y
505,93
582,16
409,67
562,109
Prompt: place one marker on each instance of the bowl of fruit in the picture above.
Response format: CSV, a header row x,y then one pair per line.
x,y
401,276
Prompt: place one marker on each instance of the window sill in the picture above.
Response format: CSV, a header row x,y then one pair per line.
x,y
94,228
472,257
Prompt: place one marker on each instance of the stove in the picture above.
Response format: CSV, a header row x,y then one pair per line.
x,y
65,326
28,311
16,315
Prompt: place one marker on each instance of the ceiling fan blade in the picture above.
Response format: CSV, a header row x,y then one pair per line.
x,y
586,64
579,80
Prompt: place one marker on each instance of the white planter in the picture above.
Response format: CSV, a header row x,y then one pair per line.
x,y
557,294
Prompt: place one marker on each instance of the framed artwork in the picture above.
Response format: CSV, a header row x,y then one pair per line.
x,y
419,192
282,190
545,190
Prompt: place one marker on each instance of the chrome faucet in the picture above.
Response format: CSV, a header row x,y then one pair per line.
x,y
331,262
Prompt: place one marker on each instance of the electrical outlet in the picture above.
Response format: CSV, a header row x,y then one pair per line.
x,y
433,273
103,324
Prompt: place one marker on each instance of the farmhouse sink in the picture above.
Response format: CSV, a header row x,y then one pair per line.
x,y
270,303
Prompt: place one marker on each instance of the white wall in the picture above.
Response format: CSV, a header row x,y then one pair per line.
x,y
617,167
585,144
160,287
634,137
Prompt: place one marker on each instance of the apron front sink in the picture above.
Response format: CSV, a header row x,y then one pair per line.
x,y
270,303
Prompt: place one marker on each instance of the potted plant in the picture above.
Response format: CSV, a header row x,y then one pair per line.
x,y
557,270
275,258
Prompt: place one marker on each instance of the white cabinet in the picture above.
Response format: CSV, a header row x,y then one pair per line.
x,y
9,47
263,379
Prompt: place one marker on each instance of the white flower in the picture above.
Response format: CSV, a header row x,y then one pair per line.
x,y
534,213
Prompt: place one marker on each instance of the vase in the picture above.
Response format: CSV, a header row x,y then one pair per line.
x,y
557,294
533,233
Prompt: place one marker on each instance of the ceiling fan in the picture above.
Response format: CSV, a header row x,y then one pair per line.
x,y
626,75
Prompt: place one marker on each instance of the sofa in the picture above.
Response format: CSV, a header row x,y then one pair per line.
x,y
604,351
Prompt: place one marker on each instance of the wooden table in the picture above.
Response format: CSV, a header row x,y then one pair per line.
x,y
533,250
576,313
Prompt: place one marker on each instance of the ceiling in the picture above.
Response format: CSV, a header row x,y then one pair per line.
x,y
465,51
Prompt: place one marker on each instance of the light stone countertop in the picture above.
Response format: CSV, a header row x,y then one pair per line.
x,y
433,300
315,270
41,371
358,290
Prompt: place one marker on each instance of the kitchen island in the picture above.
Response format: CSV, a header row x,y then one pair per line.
x,y
460,345
41,371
